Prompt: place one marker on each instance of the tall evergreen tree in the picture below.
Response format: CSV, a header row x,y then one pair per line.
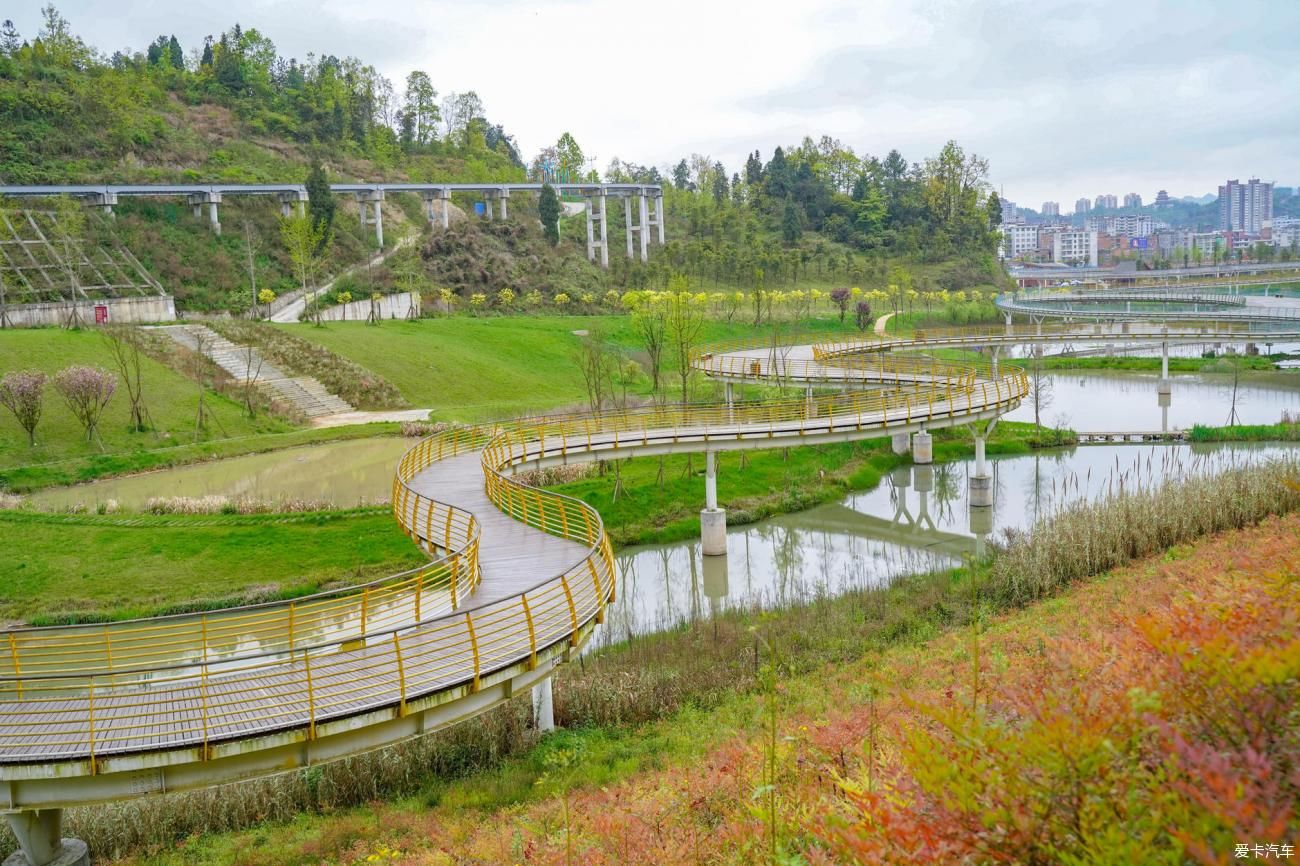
x,y
10,41
321,204
177,55
994,207
548,208
792,223
682,175
719,183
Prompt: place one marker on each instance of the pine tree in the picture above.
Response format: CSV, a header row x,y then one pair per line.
x,y
994,206
321,204
682,175
10,41
791,223
548,208
720,188
206,60
177,55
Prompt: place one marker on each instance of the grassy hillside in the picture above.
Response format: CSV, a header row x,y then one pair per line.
x,y
171,399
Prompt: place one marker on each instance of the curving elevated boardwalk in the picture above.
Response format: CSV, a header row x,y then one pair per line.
x,y
516,581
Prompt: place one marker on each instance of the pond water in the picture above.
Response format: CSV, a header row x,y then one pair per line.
x,y
341,473
361,470
1116,401
918,519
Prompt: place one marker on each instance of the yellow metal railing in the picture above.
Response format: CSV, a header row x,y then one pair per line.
x,y
198,681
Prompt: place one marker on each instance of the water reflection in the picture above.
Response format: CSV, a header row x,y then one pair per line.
x,y
918,519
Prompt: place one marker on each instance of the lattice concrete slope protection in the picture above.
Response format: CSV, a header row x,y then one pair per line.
x,y
41,263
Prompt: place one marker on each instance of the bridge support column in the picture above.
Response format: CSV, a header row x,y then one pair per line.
x,y
595,215
543,706
211,199
981,524
1163,399
41,842
659,217
713,520
810,406
900,443
627,218
923,480
993,360
439,195
505,205
288,201
922,448
104,201
364,201
644,227
981,481
730,393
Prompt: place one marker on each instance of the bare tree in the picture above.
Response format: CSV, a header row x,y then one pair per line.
x,y
250,252
1040,386
599,365
125,344
252,370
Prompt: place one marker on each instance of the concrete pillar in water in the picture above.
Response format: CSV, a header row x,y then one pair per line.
x,y
899,442
981,480
922,448
41,842
1164,398
713,520
715,581
923,480
901,478
543,706
981,524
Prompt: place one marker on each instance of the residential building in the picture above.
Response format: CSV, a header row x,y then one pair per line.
x,y
1083,205
1132,225
1132,200
1018,239
1075,248
1051,209
1105,202
1010,213
1245,207
1162,199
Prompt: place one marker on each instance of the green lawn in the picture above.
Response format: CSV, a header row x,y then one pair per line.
x,y
170,398
467,368
91,567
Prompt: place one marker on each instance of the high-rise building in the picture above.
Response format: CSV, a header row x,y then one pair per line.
x,y
1162,199
1051,209
1083,205
1105,202
1132,200
1132,225
1245,207
1010,213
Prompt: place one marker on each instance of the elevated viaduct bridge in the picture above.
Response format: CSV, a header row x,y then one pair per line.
x,y
643,204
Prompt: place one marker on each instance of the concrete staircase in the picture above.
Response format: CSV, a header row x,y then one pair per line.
x,y
304,393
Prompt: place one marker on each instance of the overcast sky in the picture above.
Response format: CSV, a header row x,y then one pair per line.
x,y
1064,98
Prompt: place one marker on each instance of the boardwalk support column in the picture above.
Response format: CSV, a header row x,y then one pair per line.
x,y
713,520
899,443
40,841
922,448
543,706
1163,387
981,480
981,524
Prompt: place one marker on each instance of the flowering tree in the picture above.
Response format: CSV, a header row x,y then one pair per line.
x,y
841,298
87,391
22,392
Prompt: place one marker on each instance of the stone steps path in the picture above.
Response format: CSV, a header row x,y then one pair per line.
x,y
304,393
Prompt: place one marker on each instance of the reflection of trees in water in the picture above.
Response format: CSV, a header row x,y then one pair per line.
x,y
947,490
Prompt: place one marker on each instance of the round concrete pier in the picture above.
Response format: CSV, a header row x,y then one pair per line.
x,y
922,448
899,442
71,852
981,491
713,531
